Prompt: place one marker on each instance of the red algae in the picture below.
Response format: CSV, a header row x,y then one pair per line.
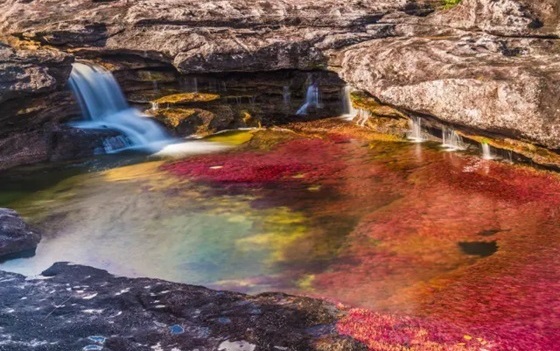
x,y
400,258
385,332
306,160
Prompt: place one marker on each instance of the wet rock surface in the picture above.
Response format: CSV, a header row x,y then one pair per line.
x,y
79,307
16,237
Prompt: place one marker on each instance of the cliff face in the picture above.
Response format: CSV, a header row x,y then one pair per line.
x,y
486,65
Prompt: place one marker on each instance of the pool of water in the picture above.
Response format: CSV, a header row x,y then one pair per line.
x,y
396,228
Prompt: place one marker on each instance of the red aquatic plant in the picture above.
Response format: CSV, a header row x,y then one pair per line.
x,y
304,160
385,332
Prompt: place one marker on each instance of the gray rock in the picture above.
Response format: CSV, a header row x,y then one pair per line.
x,y
81,306
16,237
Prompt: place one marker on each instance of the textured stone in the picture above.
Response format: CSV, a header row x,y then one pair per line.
x,y
16,237
80,306
488,66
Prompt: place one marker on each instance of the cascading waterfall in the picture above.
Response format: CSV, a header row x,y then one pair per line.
x,y
311,100
487,153
415,133
348,110
451,140
104,106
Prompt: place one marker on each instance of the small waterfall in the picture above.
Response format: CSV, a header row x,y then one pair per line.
x,y
487,153
363,117
195,85
104,106
348,110
286,96
415,133
311,100
451,140
154,107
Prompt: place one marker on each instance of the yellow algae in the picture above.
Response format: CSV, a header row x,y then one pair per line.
x,y
235,137
363,101
133,172
314,188
306,282
185,98
280,232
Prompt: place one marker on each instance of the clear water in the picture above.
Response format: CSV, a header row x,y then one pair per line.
x,y
395,227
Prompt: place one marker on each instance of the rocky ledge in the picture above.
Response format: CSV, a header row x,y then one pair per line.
x,y
16,237
485,66
73,307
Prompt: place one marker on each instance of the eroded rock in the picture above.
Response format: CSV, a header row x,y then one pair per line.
x,y
16,237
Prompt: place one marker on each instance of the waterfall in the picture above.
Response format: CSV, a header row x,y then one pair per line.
x,y
451,140
154,106
415,133
104,106
195,85
286,96
363,117
487,153
311,100
348,110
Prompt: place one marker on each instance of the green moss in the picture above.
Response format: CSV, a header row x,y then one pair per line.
x,y
447,4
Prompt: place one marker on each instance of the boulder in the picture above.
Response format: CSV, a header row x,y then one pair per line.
x,y
16,237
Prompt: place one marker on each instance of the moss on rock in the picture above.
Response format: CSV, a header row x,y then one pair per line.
x,y
186,98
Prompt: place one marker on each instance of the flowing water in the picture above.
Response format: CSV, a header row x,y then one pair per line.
x,y
348,110
398,228
452,141
311,99
104,106
416,134
487,153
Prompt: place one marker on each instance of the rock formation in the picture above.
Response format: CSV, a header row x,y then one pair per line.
x,y
16,237
486,66
83,308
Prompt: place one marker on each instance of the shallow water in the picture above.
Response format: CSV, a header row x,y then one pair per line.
x,y
394,227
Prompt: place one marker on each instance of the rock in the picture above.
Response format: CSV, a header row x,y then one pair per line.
x,y
16,237
187,122
481,83
485,66
52,143
80,307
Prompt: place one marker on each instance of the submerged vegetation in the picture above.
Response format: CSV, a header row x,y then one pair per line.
x,y
447,4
